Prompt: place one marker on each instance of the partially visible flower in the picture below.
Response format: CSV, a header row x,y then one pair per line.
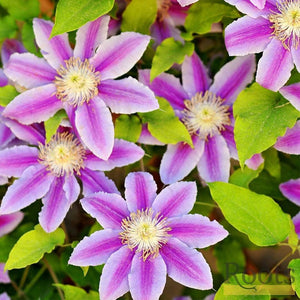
x,y
210,297
169,15
186,2
4,278
146,237
51,170
81,81
251,7
206,111
291,190
276,32
4,296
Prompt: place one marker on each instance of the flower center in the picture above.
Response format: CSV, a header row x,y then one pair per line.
x,y
205,115
64,154
286,23
162,8
77,82
144,232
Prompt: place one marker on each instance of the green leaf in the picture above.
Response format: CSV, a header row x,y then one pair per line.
x,y
165,126
244,177
28,39
7,94
31,247
8,27
258,216
203,14
72,14
294,265
293,237
53,123
261,117
137,18
75,293
229,253
243,287
168,53
22,9
272,163
128,128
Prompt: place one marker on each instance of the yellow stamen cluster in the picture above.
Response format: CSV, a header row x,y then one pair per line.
x,y
286,23
205,115
63,155
162,8
77,82
145,233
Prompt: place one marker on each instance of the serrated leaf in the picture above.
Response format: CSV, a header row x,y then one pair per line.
x,y
22,9
137,18
261,117
203,14
72,14
258,216
128,128
7,94
53,123
32,245
165,126
76,293
244,177
229,253
294,265
168,53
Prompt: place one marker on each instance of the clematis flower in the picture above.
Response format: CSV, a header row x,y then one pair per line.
x,y
81,81
169,15
206,111
291,190
275,32
50,170
146,237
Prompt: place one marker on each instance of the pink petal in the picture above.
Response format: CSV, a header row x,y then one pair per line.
x,y
4,296
9,222
296,221
94,125
291,190
89,36
290,142
29,71
123,154
275,66
214,164
179,160
229,138
127,96
176,199
35,177
14,160
108,209
9,47
4,278
117,55
114,278
6,136
247,35
186,2
71,188
35,105
234,77
57,49
56,206
292,93
186,266
147,138
95,181
255,161
195,77
259,3
3,79
196,231
147,278
96,249
140,191
166,86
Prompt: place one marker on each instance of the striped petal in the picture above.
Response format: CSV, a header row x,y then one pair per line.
x,y
9,222
291,190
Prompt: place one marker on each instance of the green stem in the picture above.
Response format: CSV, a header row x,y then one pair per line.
x,y
35,279
206,204
54,277
24,276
